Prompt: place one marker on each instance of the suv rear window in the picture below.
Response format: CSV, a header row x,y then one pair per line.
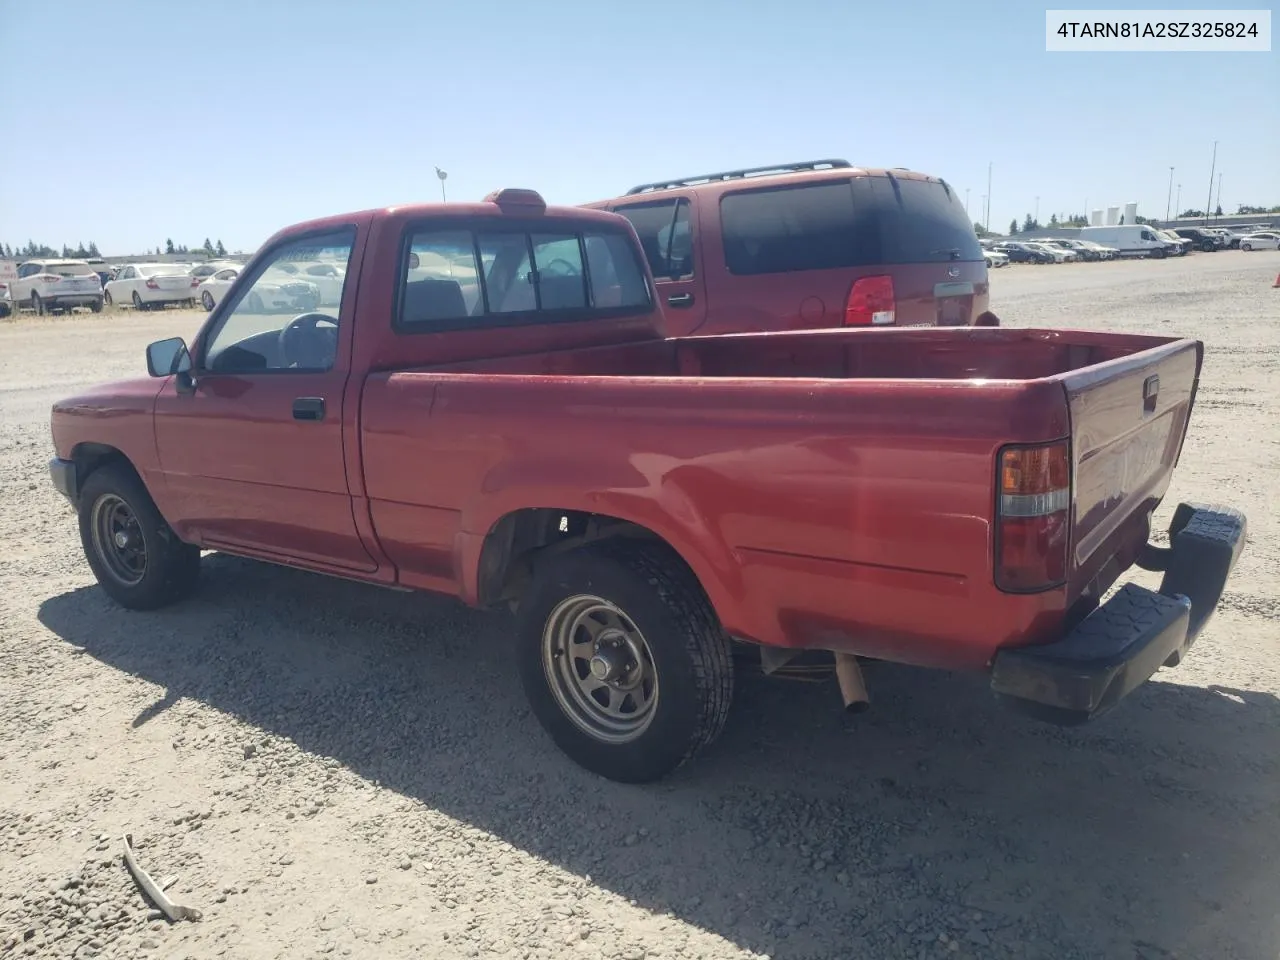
x,y
454,277
75,268
863,221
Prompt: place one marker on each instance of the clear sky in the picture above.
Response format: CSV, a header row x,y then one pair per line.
x,y
134,121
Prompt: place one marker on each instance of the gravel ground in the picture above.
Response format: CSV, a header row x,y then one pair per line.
x,y
335,770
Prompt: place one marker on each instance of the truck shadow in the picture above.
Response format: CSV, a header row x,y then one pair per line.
x,y
1153,833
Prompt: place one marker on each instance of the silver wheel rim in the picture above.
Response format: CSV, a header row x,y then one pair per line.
x,y
117,539
207,298
600,669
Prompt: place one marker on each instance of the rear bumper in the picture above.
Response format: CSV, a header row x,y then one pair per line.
x,y
1117,648
75,299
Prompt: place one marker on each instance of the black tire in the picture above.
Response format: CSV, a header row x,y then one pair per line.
x,y
137,301
206,300
170,568
96,306
106,297
1246,247
1158,254
37,304
689,656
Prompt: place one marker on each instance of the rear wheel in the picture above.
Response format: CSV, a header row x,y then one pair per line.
x,y
37,304
136,558
622,659
96,306
137,301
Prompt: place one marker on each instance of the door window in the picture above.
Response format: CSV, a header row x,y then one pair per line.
x,y
665,235
279,321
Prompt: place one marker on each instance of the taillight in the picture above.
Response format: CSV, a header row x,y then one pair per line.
x,y
195,281
151,284
51,278
870,302
1033,517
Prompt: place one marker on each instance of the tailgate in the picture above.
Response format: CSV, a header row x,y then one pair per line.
x,y
1128,420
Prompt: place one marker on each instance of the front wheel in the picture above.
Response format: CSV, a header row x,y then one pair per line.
x,y
106,297
1246,247
206,299
136,558
623,660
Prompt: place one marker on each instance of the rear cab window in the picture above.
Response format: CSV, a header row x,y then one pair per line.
x,y
495,273
861,221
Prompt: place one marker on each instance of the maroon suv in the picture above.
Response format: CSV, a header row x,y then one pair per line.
x,y
806,245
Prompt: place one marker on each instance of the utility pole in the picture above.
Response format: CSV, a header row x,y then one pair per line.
x,y
443,176
1169,198
987,222
1178,202
1212,167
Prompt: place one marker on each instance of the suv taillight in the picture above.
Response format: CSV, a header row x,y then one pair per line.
x,y
870,302
1033,517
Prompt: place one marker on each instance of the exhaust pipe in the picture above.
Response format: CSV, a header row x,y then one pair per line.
x,y
852,687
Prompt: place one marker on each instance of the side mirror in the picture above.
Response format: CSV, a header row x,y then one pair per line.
x,y
167,357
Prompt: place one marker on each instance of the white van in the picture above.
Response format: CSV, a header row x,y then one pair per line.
x,y
1132,240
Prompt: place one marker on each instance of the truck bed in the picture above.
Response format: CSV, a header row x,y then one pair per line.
x,y
830,489
998,353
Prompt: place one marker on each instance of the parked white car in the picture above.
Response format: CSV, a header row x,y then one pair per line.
x,y
328,277
995,258
46,285
214,287
148,285
203,271
1059,255
1260,241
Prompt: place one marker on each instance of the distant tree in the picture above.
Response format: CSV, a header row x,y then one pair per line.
x,y
980,230
1191,213
208,247
183,249
67,252
93,249
1217,211
168,246
8,252
1053,220
1122,219
81,252
221,251
1028,224
1013,226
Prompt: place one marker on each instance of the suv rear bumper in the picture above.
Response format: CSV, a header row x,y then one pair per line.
x,y
1117,648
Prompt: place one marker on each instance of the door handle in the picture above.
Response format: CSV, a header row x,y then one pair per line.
x,y
680,300
308,408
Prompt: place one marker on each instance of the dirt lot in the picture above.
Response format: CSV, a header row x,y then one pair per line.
x,y
333,770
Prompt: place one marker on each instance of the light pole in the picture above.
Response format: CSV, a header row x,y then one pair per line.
x,y
966,202
984,214
443,176
1178,201
1212,167
1168,199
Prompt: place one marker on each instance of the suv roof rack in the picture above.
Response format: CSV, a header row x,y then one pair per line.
x,y
737,174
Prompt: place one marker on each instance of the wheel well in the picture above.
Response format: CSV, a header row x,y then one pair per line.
x,y
518,540
89,457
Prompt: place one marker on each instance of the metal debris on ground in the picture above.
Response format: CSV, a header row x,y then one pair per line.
x,y
174,911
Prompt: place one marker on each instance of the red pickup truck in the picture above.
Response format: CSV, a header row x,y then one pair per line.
x,y
483,406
